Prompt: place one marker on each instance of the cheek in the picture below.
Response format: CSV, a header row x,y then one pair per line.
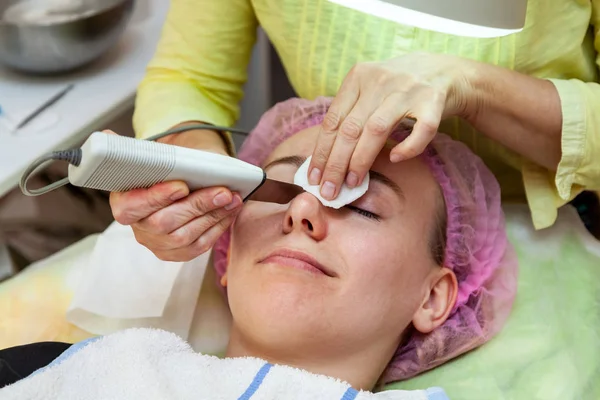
x,y
254,227
391,276
375,269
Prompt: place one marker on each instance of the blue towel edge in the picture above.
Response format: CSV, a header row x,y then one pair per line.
x,y
66,354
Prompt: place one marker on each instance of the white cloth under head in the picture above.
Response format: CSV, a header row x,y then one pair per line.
x,y
347,195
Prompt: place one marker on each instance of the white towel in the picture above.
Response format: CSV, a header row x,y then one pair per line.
x,y
154,364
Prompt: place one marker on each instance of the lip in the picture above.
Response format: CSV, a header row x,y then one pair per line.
x,y
297,259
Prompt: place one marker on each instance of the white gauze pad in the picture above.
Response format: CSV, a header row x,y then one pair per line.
x,y
346,196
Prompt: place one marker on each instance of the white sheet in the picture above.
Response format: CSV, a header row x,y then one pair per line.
x,y
123,285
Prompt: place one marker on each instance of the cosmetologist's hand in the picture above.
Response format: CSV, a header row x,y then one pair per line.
x,y
372,100
173,223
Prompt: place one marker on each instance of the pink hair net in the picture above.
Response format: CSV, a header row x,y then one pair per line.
x,y
477,248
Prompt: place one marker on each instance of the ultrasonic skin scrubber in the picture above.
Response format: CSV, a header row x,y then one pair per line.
x,y
117,164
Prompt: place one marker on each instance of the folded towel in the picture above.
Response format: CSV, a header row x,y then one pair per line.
x,y
155,364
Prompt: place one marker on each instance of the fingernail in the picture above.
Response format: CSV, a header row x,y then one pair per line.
x,y
237,201
396,158
221,199
328,190
178,195
315,176
352,179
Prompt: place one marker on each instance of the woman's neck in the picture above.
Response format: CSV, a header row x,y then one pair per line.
x,y
360,369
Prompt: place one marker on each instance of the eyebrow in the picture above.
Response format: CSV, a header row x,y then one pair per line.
x,y
293,160
297,161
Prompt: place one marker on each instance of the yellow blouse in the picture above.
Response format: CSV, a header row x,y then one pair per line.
x,y
200,65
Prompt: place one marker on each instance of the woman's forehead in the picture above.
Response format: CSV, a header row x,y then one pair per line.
x,y
299,144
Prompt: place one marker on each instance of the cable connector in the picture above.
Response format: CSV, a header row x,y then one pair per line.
x,y
72,156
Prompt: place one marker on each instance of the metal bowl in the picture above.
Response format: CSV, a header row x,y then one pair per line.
x,y
64,41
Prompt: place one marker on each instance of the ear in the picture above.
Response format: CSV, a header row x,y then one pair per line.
x,y
224,279
438,302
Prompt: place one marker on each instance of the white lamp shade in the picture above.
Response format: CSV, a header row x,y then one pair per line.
x,y
471,18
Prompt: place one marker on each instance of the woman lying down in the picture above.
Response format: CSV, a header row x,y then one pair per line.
x,y
326,303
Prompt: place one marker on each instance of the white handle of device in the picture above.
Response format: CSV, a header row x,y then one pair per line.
x,y
117,163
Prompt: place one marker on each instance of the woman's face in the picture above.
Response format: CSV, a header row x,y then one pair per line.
x,y
306,275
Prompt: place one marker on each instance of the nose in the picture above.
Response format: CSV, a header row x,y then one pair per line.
x,y
306,214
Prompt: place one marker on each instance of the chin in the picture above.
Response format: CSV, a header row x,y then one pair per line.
x,y
278,307
274,327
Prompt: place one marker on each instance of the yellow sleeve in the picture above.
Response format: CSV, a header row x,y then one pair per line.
x,y
200,66
579,167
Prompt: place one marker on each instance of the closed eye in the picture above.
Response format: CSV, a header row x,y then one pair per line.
x,y
364,213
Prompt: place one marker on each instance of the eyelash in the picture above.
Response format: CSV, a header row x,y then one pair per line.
x,y
364,213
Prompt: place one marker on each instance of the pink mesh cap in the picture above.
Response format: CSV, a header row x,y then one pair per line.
x,y
477,248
